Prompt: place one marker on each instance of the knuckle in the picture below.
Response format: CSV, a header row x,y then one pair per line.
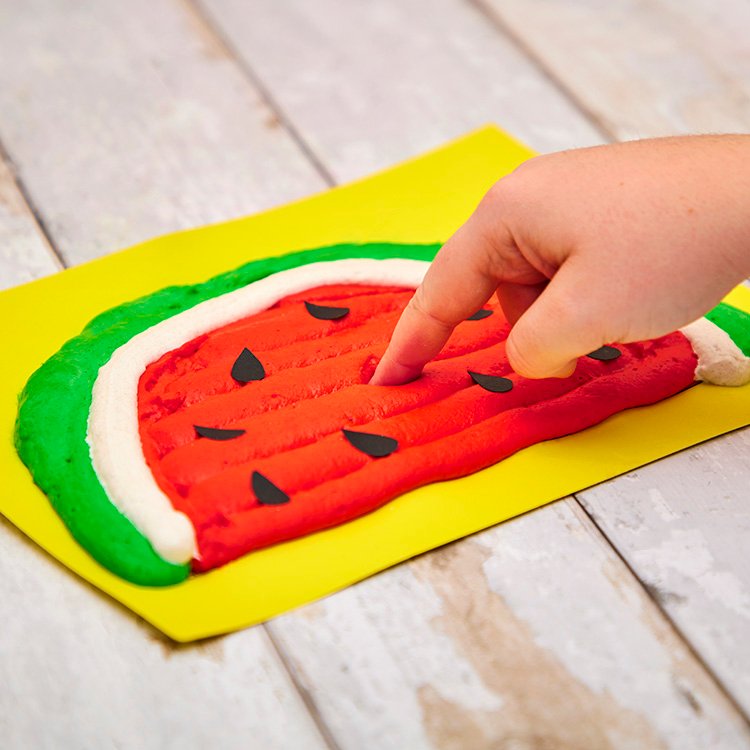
x,y
527,166
514,189
500,194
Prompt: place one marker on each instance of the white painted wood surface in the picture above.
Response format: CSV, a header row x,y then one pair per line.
x,y
641,68
369,84
504,641
718,30
699,572
127,120
79,671
532,635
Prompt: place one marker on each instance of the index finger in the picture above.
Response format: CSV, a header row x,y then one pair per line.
x,y
456,285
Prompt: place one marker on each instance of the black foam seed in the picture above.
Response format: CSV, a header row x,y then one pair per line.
x,y
247,367
377,446
480,315
492,383
605,353
217,433
266,491
321,312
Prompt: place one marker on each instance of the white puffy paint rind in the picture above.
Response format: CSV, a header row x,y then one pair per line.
x,y
720,360
113,434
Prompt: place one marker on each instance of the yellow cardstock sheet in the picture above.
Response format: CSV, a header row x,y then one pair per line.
x,y
423,200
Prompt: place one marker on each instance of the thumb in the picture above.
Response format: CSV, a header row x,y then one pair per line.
x,y
561,325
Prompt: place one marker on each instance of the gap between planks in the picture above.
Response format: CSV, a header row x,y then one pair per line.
x,y
588,521
496,21
307,698
34,213
203,16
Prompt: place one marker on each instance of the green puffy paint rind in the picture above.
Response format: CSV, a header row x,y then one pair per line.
x,y
735,322
54,405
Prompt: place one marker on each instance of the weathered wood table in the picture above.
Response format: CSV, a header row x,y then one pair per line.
x,y
617,618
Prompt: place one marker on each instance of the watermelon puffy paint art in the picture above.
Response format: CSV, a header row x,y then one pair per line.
x,y
188,428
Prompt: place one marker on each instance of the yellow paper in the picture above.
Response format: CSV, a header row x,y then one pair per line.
x,y
424,200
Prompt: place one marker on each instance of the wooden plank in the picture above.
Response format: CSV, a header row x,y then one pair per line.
x,y
334,62
531,634
683,525
642,69
78,671
127,120
369,84
25,253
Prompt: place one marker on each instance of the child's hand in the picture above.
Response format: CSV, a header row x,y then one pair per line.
x,y
610,244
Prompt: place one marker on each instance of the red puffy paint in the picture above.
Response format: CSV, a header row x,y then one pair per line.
x,y
316,384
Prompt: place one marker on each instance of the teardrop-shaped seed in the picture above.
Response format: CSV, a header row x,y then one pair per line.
x,y
605,353
247,367
322,312
217,433
266,491
377,446
492,383
480,315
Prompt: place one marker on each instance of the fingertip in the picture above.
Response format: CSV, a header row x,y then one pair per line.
x,y
389,372
558,327
455,286
565,371
527,368
417,338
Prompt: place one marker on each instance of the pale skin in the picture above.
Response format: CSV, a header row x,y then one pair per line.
x,y
588,247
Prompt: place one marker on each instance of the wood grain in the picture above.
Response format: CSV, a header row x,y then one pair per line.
x,y
683,525
369,84
79,671
501,641
128,120
641,68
